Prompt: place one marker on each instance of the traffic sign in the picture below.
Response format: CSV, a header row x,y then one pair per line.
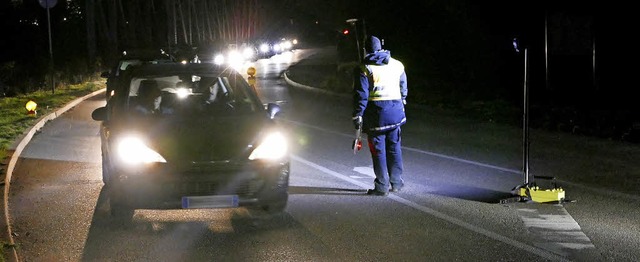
x,y
48,3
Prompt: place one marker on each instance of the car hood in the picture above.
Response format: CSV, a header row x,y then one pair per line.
x,y
205,140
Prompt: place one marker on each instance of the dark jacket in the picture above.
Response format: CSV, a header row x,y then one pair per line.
x,y
386,113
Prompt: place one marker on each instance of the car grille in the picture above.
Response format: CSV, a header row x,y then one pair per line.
x,y
194,188
201,180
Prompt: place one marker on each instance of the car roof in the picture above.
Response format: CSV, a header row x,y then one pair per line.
x,y
178,68
144,54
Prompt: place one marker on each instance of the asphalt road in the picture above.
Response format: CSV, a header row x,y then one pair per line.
x,y
457,171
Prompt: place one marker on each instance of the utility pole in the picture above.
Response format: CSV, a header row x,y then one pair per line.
x,y
546,50
48,4
354,23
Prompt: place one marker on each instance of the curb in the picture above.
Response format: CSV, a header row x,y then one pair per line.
x,y
343,95
16,154
314,89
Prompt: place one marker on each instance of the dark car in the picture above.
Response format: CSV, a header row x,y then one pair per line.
x,y
191,136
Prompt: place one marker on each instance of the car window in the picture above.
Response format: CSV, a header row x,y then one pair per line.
x,y
179,96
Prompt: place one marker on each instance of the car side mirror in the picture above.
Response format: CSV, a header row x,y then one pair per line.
x,y
99,114
273,109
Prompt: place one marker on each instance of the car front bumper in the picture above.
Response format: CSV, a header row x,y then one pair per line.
x,y
202,185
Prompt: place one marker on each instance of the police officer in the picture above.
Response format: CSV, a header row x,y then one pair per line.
x,y
380,92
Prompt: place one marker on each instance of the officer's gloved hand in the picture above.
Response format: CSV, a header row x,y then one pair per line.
x,y
404,102
357,122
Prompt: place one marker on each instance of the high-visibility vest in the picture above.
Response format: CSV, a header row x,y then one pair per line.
x,y
386,80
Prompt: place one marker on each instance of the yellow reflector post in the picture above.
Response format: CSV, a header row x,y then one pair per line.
x,y
251,71
31,107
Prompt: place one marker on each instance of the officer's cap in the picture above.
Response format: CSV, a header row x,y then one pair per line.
x,y
372,44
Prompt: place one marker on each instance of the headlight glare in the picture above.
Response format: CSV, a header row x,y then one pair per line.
x,y
218,59
274,146
248,53
264,48
235,58
132,150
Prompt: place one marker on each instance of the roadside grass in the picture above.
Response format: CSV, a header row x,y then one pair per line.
x,y
14,120
5,247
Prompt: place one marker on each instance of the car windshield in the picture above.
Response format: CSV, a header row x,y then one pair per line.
x,y
191,96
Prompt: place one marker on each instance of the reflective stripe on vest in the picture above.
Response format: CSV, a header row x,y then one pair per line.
x,y
386,81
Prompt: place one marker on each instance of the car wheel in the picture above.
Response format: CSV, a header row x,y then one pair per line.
x,y
120,208
277,204
121,211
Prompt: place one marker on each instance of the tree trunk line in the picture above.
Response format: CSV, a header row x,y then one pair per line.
x,y
115,24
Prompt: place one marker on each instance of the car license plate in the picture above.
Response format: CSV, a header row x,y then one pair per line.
x,y
210,201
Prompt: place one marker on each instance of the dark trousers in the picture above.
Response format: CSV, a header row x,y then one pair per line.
x,y
387,158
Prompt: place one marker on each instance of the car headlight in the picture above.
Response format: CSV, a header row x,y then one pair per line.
x,y
218,59
277,48
274,146
286,45
264,48
234,57
248,53
132,150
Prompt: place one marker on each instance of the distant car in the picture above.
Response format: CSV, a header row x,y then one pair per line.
x,y
235,55
266,49
131,58
191,136
270,47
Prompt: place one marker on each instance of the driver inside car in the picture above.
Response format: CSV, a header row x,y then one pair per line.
x,y
148,98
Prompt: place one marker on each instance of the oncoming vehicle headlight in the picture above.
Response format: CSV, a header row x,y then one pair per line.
x,y
286,45
218,59
274,146
277,48
248,53
132,150
264,48
235,58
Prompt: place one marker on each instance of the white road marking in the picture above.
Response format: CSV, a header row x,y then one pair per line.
x,y
506,240
558,230
365,170
463,160
413,149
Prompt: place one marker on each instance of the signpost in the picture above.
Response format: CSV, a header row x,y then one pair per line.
x,y
530,191
354,23
48,4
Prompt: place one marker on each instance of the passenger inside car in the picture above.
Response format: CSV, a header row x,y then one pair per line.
x,y
218,92
148,97
168,103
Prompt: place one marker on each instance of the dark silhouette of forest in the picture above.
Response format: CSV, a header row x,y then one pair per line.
x,y
458,54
